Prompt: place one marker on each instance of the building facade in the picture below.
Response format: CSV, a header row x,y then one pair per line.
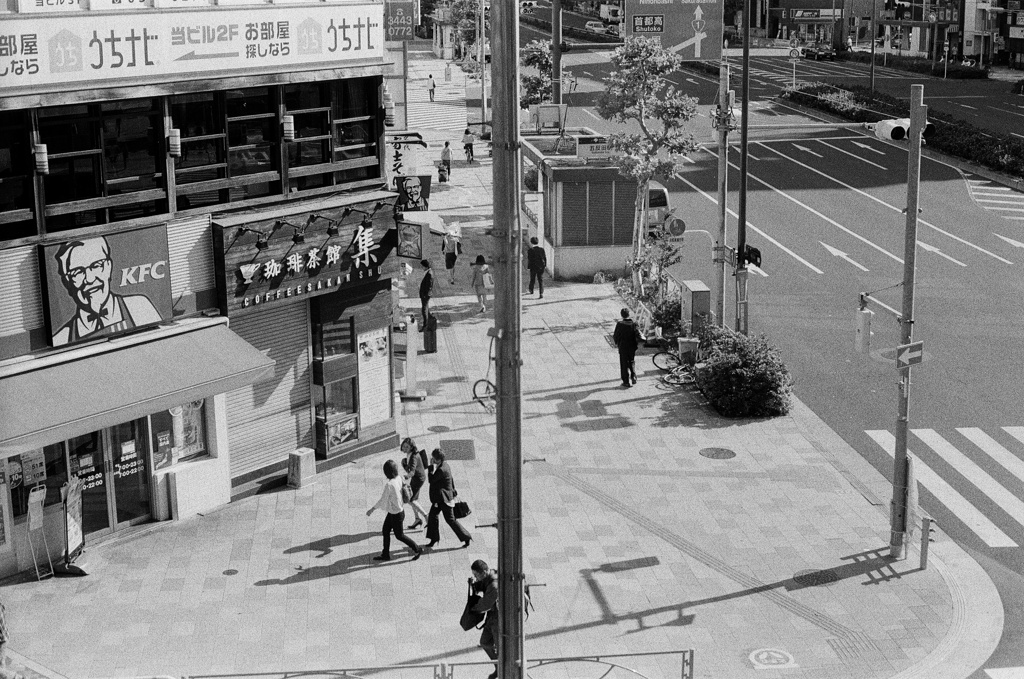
x,y
196,252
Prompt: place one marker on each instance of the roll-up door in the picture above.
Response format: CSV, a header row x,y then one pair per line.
x,y
574,213
190,245
625,212
599,222
270,419
21,298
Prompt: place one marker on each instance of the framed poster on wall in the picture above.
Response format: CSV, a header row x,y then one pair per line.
x,y
375,397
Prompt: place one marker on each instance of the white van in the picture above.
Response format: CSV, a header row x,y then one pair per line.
x,y
658,204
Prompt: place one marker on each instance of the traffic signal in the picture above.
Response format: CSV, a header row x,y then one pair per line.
x,y
899,128
752,256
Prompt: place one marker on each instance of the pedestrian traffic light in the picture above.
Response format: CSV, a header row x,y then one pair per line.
x,y
752,256
899,128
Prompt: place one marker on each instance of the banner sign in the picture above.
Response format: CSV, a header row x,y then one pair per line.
x,y
71,494
106,285
691,28
401,18
83,48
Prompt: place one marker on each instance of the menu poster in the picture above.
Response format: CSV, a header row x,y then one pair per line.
x,y
71,493
163,451
375,398
33,465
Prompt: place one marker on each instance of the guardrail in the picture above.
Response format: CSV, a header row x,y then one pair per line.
x,y
603,665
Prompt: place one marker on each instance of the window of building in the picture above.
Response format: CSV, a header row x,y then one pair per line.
x,y
17,205
47,466
179,434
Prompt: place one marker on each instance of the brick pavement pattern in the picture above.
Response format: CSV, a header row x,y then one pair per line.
x,y
642,543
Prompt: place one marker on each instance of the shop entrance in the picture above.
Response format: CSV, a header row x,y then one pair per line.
x,y
113,465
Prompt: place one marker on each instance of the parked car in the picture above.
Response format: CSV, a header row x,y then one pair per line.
x,y
612,29
595,27
820,50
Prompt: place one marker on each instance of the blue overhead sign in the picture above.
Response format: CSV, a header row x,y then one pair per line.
x,y
691,28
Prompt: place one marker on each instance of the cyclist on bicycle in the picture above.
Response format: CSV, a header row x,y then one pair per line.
x,y
467,143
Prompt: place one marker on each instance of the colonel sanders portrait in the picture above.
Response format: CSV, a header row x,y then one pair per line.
x,y
413,194
85,270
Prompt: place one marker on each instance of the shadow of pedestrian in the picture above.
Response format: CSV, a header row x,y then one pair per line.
x,y
326,545
353,564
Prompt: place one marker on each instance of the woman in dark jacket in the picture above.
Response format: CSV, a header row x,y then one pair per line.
x,y
442,500
417,475
485,583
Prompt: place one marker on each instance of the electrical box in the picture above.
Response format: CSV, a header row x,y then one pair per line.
x,y
696,304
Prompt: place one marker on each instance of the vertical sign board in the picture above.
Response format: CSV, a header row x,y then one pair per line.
x,y
71,493
375,395
690,28
36,497
400,16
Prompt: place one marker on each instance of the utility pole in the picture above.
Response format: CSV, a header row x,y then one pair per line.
x,y
556,51
741,238
898,514
874,36
723,122
508,243
483,67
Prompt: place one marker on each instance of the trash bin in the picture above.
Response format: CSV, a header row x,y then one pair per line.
x,y
430,336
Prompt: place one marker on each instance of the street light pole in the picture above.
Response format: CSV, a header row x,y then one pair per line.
x,y
898,514
483,68
508,357
874,37
556,51
741,238
723,122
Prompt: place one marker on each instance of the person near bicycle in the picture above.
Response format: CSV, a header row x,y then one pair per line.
x,y
627,338
468,138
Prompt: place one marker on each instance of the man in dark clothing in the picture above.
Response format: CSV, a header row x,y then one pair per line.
x,y
627,338
536,262
426,290
485,583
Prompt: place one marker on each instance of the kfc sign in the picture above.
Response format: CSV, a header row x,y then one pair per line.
x,y
106,285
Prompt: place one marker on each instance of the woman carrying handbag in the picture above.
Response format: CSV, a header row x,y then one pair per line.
x,y
416,472
442,499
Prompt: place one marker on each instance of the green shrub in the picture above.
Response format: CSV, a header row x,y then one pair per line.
x,y
668,314
743,376
530,179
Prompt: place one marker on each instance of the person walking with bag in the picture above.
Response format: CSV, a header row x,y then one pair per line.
x,y
431,86
451,247
485,583
391,502
482,281
446,159
536,262
442,501
627,338
415,464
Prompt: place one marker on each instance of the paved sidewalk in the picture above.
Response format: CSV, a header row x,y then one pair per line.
x,y
643,543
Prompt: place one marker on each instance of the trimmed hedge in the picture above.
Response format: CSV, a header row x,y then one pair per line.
x,y
920,65
743,376
953,136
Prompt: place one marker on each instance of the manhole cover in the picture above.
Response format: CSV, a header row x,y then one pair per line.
x,y
717,453
816,578
231,571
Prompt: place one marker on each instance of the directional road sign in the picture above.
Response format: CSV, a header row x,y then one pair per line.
x,y
909,354
691,28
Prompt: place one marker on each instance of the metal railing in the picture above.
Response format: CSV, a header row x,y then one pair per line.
x,y
604,665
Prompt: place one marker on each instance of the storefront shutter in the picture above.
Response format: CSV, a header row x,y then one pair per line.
x,y
270,419
600,214
574,213
190,244
21,300
625,209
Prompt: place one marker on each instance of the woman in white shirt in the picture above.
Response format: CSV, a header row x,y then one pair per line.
x,y
481,274
391,502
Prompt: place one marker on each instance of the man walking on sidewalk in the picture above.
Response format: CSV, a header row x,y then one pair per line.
x,y
536,262
426,291
430,86
627,338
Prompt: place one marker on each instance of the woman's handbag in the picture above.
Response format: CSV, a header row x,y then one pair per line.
x,y
471,618
488,280
461,510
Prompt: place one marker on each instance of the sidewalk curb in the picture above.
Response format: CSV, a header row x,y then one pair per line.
x,y
977,607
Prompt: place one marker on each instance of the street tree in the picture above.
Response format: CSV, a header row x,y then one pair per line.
x,y
536,88
466,17
638,94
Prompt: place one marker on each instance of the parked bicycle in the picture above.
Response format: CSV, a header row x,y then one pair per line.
x,y
678,366
484,390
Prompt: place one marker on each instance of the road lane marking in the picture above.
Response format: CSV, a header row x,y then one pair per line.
x,y
818,214
752,227
1014,243
956,503
869,147
934,250
1006,110
852,155
1015,432
891,207
973,108
1006,673
836,252
1001,202
993,449
807,150
970,470
592,114
1006,209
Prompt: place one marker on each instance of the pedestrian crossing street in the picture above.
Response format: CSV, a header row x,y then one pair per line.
x,y
991,464
994,197
446,112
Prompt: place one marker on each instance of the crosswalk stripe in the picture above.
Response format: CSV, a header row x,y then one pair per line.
x,y
957,504
993,449
1015,432
1006,500
1006,673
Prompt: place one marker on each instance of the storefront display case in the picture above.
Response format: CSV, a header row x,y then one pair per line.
x,y
334,383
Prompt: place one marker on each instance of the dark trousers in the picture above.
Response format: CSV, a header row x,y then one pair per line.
x,y
539,277
489,639
434,525
627,369
425,308
393,524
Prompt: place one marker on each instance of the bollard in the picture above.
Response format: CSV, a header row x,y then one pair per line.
x,y
926,537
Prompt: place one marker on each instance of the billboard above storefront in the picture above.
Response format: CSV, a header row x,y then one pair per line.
x,y
691,28
69,49
106,285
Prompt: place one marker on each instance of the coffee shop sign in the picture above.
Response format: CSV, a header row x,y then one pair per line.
x,y
363,264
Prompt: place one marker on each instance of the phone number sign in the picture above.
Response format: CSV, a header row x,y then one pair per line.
x,y
691,28
401,18
157,46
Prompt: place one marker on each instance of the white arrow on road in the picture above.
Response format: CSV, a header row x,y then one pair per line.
x,y
867,147
940,253
691,80
904,356
836,252
1014,243
807,150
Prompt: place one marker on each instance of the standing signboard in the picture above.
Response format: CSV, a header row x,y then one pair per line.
x,y
74,540
691,28
36,498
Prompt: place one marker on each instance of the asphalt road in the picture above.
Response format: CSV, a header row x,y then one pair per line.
x,y
825,209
